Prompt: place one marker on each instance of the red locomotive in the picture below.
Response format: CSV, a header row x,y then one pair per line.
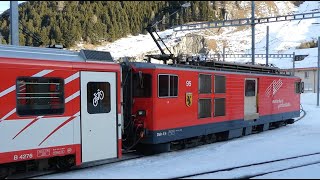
x,y
191,102
62,108
177,106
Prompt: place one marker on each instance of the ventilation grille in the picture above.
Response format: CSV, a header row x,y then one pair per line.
x,y
92,55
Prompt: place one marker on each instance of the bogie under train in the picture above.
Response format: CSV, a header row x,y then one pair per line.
x,y
62,109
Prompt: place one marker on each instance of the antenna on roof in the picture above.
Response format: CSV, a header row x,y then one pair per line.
x,y
57,46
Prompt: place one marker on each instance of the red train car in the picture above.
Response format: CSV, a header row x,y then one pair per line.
x,y
60,107
176,106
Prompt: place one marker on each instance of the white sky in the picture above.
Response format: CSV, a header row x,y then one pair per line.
x,y
4,5
299,138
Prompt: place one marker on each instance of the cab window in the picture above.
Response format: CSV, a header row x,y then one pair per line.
x,y
141,85
167,85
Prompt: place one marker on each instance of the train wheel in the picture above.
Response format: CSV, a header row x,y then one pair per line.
x,y
210,138
278,124
151,149
65,163
290,121
4,172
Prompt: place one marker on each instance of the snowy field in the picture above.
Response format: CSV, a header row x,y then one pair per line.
x,y
297,139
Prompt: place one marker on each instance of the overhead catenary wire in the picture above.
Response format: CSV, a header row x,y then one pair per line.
x,y
30,33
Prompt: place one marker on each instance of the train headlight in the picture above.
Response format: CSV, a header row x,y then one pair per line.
x,y
141,113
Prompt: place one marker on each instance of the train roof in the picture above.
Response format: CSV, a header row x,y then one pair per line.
x,y
38,53
216,66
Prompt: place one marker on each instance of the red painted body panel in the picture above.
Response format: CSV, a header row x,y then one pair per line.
x,y
8,102
27,67
41,153
11,68
172,112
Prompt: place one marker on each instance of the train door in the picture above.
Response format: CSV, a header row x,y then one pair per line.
x,y
250,99
98,116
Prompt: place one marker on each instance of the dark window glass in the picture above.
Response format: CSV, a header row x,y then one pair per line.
x,y
168,86
204,83
98,97
250,88
163,85
40,96
219,107
299,87
219,84
141,85
204,108
173,85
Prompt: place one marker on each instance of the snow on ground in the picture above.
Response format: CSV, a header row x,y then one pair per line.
x,y
307,172
284,37
292,140
256,171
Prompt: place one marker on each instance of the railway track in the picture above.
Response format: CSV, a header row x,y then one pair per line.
x,y
237,172
257,169
28,175
133,155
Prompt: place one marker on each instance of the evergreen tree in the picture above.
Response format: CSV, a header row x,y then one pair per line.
x,y
45,23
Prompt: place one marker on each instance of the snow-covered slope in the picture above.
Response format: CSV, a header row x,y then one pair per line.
x,y
284,37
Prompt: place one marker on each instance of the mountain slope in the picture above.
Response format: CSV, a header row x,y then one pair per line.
x,y
68,22
284,37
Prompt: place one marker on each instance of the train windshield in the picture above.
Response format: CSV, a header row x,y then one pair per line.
x,y
141,85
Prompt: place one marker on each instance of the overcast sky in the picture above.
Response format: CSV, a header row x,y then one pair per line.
x,y
4,5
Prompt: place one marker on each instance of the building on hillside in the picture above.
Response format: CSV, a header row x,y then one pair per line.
x,y
308,75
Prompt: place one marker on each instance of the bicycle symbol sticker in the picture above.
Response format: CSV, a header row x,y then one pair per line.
x,y
99,95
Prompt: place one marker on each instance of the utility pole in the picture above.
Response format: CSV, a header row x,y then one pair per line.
x,y
14,26
224,52
252,27
267,47
318,71
293,63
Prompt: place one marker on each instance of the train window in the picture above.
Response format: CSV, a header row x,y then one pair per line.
x,y
219,84
306,74
250,88
168,86
204,83
39,96
141,85
98,97
163,85
173,85
299,87
219,107
204,108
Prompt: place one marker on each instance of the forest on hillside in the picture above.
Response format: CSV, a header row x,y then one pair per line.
x,y
66,23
